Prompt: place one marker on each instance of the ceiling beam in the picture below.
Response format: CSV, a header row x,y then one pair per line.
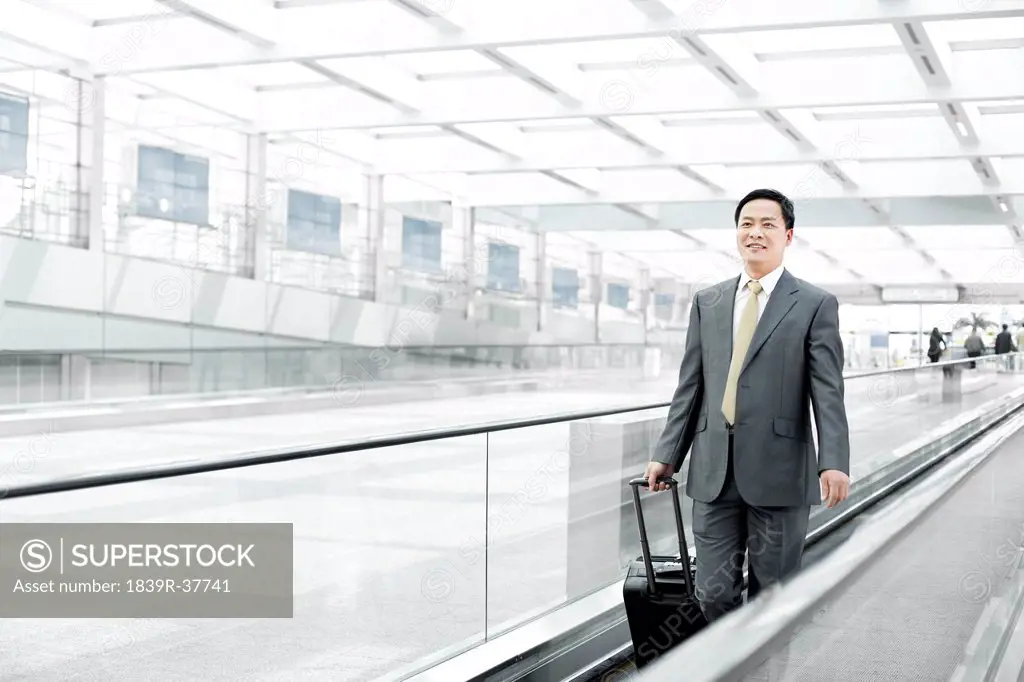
x,y
906,149
54,33
730,17
375,79
431,11
615,191
933,61
909,242
254,23
975,83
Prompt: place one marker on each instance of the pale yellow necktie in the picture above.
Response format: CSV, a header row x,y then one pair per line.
x,y
748,322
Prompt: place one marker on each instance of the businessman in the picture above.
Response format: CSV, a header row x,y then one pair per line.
x,y
762,348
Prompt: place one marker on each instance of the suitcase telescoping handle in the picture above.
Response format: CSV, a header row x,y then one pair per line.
x,y
684,555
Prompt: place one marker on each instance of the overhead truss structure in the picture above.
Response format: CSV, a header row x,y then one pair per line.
x,y
904,118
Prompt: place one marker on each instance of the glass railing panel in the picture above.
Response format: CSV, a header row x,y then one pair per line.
x,y
35,378
385,570
560,514
887,411
339,419
578,529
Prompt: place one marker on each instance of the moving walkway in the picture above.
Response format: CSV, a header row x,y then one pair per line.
x,y
489,552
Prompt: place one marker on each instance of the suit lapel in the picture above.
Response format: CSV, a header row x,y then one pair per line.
x,y
780,303
724,313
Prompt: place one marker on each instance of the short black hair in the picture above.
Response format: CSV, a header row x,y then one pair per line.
x,y
1005,326
788,214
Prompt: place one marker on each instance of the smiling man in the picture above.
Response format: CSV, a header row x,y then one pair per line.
x,y
761,349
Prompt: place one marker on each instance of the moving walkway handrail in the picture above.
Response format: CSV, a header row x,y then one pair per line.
x,y
306,346
932,365
291,454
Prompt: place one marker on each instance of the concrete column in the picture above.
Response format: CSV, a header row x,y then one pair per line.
x,y
91,133
645,299
543,285
474,264
681,306
256,209
597,290
376,225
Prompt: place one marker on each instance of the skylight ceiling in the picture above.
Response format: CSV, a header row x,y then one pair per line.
x,y
889,116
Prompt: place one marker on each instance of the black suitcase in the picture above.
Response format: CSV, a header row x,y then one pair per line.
x,y
662,611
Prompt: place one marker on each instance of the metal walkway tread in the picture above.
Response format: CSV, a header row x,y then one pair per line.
x,y
911,613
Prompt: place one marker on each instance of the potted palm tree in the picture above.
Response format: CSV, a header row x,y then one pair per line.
x,y
975,321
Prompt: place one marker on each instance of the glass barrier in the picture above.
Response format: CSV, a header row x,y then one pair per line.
x,y
111,374
408,555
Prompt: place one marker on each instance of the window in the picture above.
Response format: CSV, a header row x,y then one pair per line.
x,y
663,304
565,288
421,244
173,186
618,296
314,223
503,267
13,136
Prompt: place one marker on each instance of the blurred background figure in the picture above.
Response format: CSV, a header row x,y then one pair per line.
x,y
936,345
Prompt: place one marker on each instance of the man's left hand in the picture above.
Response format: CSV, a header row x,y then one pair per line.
x,y
835,486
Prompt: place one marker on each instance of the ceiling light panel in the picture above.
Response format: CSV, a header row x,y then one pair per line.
x,y
976,29
836,240
981,266
889,266
634,240
443,61
813,267
702,268
841,37
968,236
524,15
716,238
800,182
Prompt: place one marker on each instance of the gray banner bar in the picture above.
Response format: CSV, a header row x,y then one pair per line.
x,y
146,570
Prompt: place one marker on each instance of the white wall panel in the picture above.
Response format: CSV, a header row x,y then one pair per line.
x,y
229,302
143,333
621,332
114,301
47,274
148,289
298,312
565,325
25,328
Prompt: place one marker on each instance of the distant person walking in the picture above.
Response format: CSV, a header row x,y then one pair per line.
x,y
974,346
1004,345
936,345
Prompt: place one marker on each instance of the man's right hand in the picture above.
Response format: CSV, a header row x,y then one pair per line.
x,y
656,470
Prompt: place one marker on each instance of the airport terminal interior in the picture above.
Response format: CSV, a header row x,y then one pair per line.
x,y
415,278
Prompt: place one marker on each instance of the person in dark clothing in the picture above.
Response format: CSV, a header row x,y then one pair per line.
x,y
936,345
1004,343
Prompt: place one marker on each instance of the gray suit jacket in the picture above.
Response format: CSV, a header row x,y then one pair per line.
x,y
795,360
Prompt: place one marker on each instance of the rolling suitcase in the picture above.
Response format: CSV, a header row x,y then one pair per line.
x,y
661,607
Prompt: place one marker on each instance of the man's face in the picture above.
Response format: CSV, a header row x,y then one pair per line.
x,y
761,234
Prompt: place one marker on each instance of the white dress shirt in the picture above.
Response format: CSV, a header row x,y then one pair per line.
x,y
768,283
